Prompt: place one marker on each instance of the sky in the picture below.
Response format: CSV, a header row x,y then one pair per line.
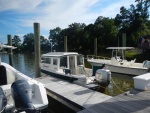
x,y
18,16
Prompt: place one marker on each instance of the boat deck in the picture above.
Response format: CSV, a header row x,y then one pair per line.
x,y
100,61
72,95
136,102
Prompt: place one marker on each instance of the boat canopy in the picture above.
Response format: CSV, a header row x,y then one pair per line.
x,y
59,54
121,48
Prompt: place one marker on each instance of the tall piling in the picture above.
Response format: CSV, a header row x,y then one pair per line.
x,y
95,46
124,42
37,49
123,39
65,44
10,50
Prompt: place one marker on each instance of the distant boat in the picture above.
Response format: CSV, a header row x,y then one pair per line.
x,y
118,64
70,66
18,92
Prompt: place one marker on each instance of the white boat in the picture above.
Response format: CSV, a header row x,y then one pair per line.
x,y
118,64
70,66
20,93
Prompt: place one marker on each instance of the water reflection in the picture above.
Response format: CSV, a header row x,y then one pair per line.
x,y
22,62
119,84
25,64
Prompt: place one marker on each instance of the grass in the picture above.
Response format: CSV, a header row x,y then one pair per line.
x,y
131,54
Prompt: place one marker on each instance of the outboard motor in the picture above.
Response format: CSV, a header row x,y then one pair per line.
x,y
22,95
103,77
3,101
146,64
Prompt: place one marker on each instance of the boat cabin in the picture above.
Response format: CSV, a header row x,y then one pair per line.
x,y
62,62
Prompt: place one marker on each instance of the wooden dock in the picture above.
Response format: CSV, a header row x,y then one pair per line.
x,y
72,95
135,102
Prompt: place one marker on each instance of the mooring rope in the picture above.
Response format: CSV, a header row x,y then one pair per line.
x,y
85,73
116,85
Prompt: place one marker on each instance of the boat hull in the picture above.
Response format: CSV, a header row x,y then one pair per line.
x,y
122,69
57,75
39,96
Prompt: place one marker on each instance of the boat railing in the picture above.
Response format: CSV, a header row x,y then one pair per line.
x,y
97,57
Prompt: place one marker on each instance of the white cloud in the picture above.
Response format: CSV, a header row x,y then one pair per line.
x,y
19,5
62,13
112,9
54,13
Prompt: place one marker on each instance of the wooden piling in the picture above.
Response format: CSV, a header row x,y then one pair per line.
x,y
95,46
124,42
65,44
10,50
37,50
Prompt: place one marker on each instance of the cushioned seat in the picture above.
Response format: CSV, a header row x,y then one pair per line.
x,y
3,76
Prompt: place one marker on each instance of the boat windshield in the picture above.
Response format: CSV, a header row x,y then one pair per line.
x,y
118,53
80,60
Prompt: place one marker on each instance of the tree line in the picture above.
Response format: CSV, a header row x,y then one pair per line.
x,y
133,21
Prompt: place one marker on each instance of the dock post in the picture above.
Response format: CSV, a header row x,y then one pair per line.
x,y
37,49
65,44
10,50
124,42
95,46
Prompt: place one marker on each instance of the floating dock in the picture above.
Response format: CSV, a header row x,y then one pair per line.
x,y
83,100
72,95
135,101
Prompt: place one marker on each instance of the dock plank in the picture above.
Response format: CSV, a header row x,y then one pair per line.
x,y
71,92
139,102
94,102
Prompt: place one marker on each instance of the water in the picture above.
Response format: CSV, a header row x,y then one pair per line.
x,y
22,62
25,64
119,84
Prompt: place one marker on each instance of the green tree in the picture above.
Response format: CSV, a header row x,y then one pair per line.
x,y
89,35
133,21
105,32
16,42
28,42
56,39
74,35
45,45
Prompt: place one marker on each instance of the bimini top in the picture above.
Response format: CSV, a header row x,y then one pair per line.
x,y
120,48
58,54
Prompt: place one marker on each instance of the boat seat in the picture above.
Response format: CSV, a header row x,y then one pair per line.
x,y
67,71
3,76
132,62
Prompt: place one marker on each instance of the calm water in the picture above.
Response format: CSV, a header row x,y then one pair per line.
x,y
22,62
25,64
